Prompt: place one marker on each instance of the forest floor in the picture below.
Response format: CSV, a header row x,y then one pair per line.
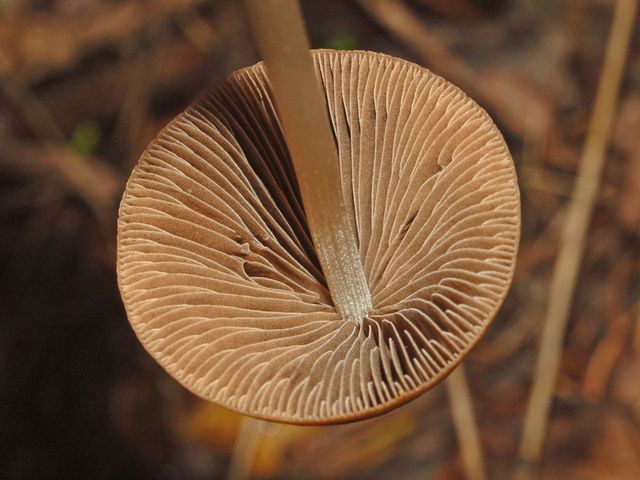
x,y
84,86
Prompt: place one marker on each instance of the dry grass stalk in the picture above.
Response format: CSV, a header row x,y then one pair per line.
x,y
245,448
465,424
573,237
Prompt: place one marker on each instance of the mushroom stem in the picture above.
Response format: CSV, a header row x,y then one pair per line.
x,y
282,40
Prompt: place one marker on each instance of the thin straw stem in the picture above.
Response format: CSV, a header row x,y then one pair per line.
x,y
572,243
279,30
464,421
245,448
282,40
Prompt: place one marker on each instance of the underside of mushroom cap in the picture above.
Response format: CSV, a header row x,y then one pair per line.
x,y
219,276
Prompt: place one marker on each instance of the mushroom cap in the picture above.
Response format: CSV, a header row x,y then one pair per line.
x,y
219,276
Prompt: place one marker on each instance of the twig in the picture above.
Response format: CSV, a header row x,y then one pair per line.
x,y
574,232
465,424
400,20
604,358
245,448
201,35
557,184
455,9
522,329
35,46
95,182
32,111
138,97
636,333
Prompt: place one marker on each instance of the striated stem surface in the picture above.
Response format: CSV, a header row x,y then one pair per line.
x,y
302,110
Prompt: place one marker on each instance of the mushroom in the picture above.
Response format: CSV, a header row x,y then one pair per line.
x,y
218,270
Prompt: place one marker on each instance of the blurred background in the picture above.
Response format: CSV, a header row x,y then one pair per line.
x,y
85,85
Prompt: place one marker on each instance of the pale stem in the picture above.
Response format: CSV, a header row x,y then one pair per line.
x,y
282,40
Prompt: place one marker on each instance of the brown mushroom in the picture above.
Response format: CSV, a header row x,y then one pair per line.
x,y
220,278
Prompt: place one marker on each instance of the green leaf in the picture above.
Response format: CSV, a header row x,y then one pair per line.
x,y
86,137
342,41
